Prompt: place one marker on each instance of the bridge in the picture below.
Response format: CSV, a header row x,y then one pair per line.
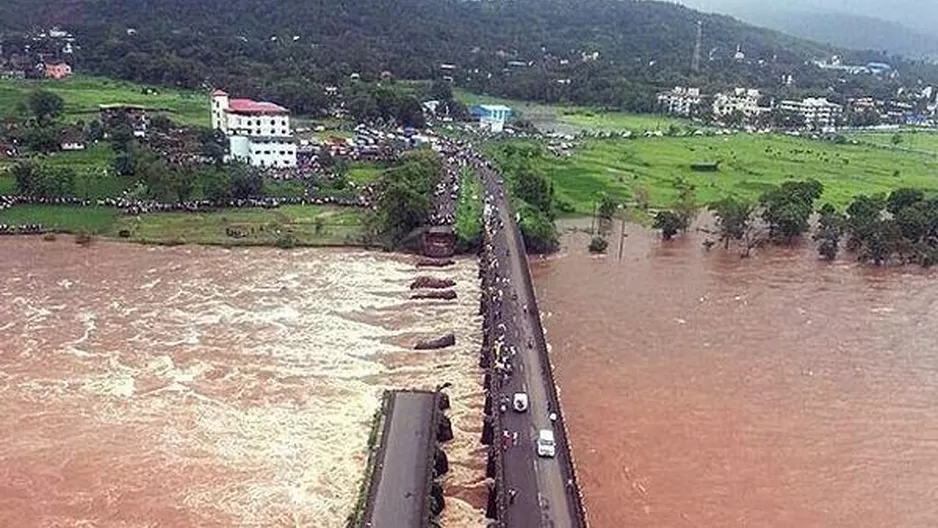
x,y
529,491
406,462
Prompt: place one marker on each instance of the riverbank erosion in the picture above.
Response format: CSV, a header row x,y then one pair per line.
x,y
776,390
212,387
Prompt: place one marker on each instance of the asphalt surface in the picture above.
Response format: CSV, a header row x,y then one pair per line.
x,y
541,491
398,497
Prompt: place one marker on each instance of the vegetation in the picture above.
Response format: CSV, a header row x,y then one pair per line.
x,y
900,228
532,193
830,230
670,223
469,212
289,49
598,244
404,191
82,95
751,164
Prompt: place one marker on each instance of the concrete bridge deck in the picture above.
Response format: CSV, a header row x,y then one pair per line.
x,y
533,491
399,492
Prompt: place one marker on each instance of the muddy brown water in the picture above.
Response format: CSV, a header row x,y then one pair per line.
x,y
704,390
144,386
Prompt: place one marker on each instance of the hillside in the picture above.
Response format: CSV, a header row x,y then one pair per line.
x,y
844,30
288,48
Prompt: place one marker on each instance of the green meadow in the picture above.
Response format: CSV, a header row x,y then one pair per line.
x,y
306,225
573,119
748,165
82,95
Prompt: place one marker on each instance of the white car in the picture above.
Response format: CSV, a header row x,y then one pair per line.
x,y
520,402
545,443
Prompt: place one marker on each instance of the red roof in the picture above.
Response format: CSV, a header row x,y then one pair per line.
x,y
219,92
247,106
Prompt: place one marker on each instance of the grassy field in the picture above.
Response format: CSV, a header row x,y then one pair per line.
x,y
573,119
306,225
364,172
925,141
82,95
748,165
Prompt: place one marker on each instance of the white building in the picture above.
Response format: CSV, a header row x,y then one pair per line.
x,y
492,117
258,133
679,101
818,113
742,100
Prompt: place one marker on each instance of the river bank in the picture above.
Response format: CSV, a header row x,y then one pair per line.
x,y
779,390
291,225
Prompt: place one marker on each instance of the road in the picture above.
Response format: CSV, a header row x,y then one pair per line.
x,y
541,490
398,494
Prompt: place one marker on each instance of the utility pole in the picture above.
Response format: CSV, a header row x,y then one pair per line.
x,y
621,234
695,64
593,221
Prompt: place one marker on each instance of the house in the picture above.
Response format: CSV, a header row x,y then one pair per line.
x,y
818,113
258,132
135,115
742,100
679,101
73,138
57,70
491,117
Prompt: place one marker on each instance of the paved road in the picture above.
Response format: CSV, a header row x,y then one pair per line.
x,y
543,494
399,489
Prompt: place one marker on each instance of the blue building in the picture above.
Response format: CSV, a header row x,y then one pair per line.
x,y
492,117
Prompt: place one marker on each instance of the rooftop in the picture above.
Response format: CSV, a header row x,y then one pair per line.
x,y
494,108
248,106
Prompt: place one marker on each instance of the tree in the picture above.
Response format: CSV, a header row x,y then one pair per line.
x,y
598,245
123,164
686,206
537,190
787,208
43,182
43,138
733,219
670,223
896,139
216,184
902,198
213,145
830,229
607,207
245,182
94,131
45,106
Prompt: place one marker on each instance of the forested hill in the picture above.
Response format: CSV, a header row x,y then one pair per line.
x,y
262,47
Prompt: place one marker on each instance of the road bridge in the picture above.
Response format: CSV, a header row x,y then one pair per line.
x,y
399,492
530,491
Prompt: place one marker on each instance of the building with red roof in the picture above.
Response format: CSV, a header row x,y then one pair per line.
x,y
258,132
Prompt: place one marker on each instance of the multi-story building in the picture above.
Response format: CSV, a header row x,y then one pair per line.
x,y
745,101
818,113
679,101
258,133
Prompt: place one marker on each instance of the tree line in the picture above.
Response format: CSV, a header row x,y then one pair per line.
x,y
896,228
289,50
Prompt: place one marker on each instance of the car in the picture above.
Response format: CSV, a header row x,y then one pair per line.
x,y
545,443
520,402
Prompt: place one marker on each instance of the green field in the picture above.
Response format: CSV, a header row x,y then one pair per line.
x,y
82,95
749,164
923,141
573,119
307,225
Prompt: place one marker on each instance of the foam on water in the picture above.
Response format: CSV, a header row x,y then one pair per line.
x,y
217,387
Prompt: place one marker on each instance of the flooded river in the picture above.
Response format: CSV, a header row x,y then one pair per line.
x,y
207,387
703,390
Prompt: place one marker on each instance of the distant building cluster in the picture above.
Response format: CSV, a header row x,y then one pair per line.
x,y
258,133
46,54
